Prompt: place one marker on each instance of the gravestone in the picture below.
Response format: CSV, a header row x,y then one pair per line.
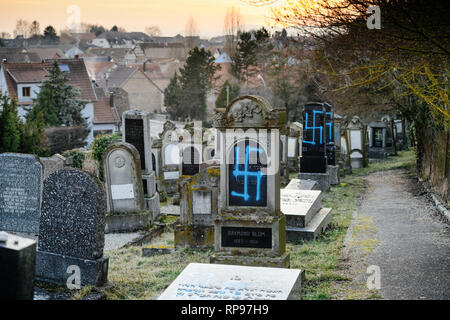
x,y
377,140
191,149
284,168
313,162
250,228
338,133
17,265
72,228
124,190
332,168
199,202
136,131
157,167
297,184
305,217
356,131
295,146
391,147
170,155
20,192
52,164
199,281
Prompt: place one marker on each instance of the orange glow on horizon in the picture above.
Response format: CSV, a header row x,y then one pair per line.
x,y
134,15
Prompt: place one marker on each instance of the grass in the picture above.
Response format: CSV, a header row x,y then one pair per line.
x,y
135,277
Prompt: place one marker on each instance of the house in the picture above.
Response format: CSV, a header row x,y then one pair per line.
x,y
22,81
113,39
18,55
48,53
106,117
143,93
121,56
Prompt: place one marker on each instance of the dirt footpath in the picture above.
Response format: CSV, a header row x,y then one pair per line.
x,y
397,232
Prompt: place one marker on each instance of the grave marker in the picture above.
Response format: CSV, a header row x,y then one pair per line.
x,y
72,228
20,192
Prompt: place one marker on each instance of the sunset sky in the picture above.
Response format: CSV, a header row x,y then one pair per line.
x,y
134,15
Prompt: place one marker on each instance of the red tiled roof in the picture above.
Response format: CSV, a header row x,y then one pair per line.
x,y
36,72
103,113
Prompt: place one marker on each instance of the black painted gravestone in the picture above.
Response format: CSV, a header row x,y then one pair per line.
x,y
134,134
72,228
313,158
20,192
190,162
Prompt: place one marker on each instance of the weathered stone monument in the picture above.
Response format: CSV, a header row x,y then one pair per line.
x,y
72,229
377,140
356,132
297,184
157,167
20,192
51,164
391,147
284,168
124,190
295,146
209,144
333,169
191,149
17,265
250,228
313,163
305,218
136,131
200,281
199,202
171,159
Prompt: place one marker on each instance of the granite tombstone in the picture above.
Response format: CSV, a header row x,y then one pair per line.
x,y
72,228
20,192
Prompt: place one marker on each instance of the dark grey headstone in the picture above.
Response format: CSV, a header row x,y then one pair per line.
x,y
20,192
17,264
72,227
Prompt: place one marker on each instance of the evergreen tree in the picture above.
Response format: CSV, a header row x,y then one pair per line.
x,y
172,98
58,101
31,138
186,94
9,126
234,90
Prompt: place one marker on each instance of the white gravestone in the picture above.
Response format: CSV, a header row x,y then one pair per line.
x,y
299,206
200,281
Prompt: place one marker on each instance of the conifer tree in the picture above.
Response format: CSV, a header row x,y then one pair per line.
x,y
9,126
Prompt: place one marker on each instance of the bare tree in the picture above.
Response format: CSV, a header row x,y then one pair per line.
x,y
153,31
22,28
191,32
232,27
35,28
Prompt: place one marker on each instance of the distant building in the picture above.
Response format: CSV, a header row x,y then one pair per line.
x,y
112,39
143,93
23,81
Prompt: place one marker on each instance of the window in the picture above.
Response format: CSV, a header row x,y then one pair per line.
x,y
26,92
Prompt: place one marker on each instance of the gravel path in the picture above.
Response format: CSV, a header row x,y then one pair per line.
x,y
397,229
118,240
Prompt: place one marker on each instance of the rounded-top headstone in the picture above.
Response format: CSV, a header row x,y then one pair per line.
x,y
73,215
20,192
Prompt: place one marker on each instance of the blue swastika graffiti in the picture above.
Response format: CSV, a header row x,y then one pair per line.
x,y
314,127
246,174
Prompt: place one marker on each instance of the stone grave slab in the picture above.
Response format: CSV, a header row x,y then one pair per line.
x,y
20,192
298,184
299,206
200,281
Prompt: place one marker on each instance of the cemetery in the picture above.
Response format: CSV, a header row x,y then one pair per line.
x,y
292,161
234,215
